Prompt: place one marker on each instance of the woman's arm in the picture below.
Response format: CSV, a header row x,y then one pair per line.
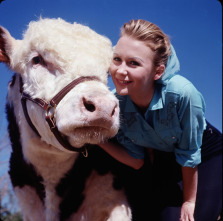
x,y
120,154
190,177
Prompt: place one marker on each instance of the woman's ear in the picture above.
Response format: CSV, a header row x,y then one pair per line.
x,y
159,72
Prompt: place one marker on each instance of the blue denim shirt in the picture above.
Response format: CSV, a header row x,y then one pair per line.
x,y
174,121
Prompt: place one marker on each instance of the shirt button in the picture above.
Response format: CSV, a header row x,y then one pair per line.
x,y
133,140
173,137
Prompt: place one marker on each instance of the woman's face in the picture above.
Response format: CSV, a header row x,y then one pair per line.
x,y
132,68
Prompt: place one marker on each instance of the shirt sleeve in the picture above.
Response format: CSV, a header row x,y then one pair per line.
x,y
192,121
133,149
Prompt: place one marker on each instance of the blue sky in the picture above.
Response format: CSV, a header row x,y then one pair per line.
x,y
194,27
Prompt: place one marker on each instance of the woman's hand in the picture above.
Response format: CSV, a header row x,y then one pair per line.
x,y
119,153
187,211
190,177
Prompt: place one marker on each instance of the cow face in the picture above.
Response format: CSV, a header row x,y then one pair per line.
x,y
51,55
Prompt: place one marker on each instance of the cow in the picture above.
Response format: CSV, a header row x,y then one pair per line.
x,y
59,108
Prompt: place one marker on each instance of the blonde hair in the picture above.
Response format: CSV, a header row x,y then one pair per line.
x,y
152,36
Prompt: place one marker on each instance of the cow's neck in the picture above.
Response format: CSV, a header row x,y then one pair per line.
x,y
50,162
52,165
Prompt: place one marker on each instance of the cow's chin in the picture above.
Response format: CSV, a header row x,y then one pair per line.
x,y
89,135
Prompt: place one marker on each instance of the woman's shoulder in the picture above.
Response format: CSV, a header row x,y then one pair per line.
x,y
180,85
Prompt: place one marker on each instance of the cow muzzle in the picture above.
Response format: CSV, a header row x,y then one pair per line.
x,y
50,107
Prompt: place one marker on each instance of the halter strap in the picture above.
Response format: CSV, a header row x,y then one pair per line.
x,y
52,104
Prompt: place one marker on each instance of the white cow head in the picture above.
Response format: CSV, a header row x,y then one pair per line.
x,y
51,55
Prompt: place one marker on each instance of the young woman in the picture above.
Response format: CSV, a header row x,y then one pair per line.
x,y
163,113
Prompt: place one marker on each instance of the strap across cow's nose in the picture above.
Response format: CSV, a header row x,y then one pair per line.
x,y
47,106
60,95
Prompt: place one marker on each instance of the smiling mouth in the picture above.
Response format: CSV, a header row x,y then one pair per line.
x,y
123,82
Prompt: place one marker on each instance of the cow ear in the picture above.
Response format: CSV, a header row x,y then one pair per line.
x,y
7,43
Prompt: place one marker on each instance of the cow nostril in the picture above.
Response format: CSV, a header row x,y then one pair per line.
x,y
89,105
113,112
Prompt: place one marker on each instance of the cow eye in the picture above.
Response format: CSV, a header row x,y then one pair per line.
x,y
37,60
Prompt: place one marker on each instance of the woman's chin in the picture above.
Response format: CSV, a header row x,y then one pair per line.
x,y
122,92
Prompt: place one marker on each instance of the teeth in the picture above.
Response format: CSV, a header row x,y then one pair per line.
x,y
124,82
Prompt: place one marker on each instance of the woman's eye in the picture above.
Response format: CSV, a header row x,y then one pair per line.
x,y
37,60
135,63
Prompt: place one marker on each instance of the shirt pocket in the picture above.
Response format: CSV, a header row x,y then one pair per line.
x,y
171,136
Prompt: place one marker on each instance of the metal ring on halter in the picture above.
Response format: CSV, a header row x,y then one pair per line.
x,y
85,152
48,114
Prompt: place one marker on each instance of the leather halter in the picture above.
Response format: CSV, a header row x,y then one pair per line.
x,y
47,106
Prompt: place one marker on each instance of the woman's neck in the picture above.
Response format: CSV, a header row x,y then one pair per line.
x,y
142,101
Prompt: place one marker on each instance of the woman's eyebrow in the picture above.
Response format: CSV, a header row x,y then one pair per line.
x,y
136,58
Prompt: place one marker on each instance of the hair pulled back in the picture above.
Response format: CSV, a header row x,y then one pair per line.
x,y
152,36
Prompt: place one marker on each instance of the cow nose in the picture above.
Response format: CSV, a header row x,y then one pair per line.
x,y
114,110
89,105
95,106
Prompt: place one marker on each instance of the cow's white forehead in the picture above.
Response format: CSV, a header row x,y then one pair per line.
x,y
71,46
70,50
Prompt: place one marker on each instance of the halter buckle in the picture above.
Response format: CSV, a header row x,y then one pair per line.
x,y
50,113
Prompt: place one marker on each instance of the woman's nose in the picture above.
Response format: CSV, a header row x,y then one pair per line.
x,y
122,69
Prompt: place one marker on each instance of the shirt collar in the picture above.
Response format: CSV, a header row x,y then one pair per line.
x,y
156,103
130,106
157,100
